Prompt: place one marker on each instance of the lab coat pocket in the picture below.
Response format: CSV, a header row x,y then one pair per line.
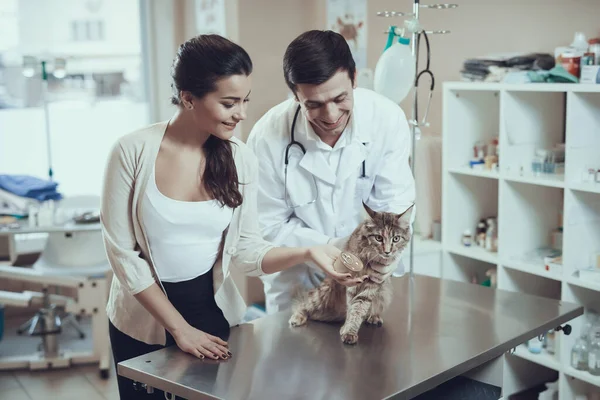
x,y
301,187
362,190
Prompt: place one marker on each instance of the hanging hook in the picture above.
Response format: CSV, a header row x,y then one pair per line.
x,y
388,14
541,337
566,329
443,6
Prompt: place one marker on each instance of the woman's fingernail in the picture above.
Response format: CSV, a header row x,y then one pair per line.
x,y
224,357
229,354
202,356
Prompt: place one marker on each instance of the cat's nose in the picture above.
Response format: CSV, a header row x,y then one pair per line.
x,y
387,252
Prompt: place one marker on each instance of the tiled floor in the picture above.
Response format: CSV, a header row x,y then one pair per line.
x,y
81,382
77,382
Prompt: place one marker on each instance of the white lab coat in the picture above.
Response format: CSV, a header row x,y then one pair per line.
x,y
378,133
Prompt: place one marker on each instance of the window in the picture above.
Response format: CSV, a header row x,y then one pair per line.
x,y
82,31
95,87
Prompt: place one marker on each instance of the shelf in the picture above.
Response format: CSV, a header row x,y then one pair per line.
x,y
573,280
476,86
590,187
528,206
582,376
533,269
551,180
474,252
524,87
425,246
552,87
544,358
474,172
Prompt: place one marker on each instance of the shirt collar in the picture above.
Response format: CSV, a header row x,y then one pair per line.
x,y
346,137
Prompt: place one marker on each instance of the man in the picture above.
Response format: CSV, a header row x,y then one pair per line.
x,y
349,146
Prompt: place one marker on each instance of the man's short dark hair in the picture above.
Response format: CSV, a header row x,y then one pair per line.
x,y
315,56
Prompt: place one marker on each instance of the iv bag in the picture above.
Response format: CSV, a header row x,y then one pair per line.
x,y
395,72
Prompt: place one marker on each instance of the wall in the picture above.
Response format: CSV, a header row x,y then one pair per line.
x,y
478,28
263,27
266,28
38,33
163,33
483,27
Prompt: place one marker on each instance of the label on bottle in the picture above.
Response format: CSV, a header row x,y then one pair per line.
x,y
575,360
592,361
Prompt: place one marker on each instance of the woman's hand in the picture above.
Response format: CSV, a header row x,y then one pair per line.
x,y
201,344
324,257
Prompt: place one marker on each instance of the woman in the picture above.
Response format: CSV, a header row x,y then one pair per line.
x,y
179,212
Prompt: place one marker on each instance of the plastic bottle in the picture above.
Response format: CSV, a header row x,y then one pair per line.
x,y
491,236
580,43
395,71
594,352
579,353
535,346
551,342
467,238
570,57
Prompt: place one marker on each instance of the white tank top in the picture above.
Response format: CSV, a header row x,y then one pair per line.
x,y
184,236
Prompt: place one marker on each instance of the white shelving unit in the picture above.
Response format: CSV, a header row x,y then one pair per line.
x,y
528,207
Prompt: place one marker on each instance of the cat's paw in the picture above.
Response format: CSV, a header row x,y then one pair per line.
x,y
348,335
349,338
375,320
298,319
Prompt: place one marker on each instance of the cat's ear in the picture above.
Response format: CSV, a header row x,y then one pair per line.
x,y
406,215
371,213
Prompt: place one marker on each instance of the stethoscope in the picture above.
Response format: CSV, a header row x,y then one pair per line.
x,y
292,143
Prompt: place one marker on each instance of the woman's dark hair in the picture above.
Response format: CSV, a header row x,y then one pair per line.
x,y
200,63
315,56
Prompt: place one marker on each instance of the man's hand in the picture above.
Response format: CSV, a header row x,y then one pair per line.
x,y
324,257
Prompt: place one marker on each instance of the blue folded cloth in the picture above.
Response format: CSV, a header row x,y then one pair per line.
x,y
30,187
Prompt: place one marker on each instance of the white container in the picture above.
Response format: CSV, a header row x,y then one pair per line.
x,y
395,71
590,74
595,48
535,346
580,43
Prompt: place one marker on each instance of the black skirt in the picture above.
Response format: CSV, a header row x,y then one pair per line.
x,y
195,301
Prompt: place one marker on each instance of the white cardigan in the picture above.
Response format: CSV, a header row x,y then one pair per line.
x,y
126,176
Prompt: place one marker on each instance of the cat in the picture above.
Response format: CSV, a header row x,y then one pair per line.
x,y
379,239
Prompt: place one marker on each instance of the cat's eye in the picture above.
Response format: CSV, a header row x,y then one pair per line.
x,y
396,239
379,238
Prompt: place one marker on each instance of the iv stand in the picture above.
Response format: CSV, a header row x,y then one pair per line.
x,y
47,119
415,130
414,123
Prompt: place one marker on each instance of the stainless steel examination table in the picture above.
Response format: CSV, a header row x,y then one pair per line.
x,y
435,330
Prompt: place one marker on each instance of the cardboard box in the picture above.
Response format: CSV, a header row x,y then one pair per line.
x,y
590,74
